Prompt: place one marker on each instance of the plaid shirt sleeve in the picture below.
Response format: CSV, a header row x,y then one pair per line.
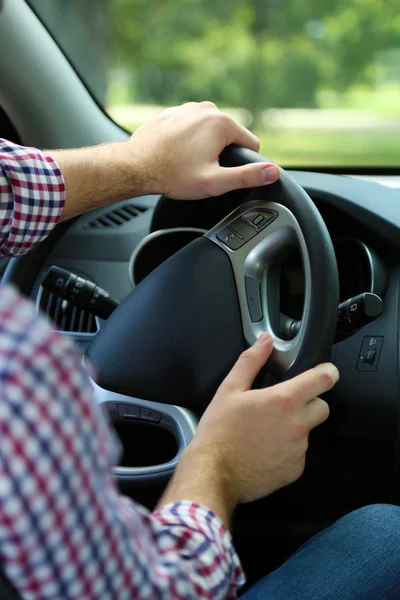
x,y
32,197
65,532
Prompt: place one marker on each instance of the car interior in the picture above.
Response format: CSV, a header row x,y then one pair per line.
x,y
314,259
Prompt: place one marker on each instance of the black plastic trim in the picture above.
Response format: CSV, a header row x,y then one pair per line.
x,y
8,130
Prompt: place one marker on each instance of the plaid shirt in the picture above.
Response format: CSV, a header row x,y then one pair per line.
x,y
65,531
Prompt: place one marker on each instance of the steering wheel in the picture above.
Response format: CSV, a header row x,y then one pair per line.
x,y
171,342
179,332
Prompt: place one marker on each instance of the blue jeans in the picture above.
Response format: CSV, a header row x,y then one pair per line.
x,y
357,558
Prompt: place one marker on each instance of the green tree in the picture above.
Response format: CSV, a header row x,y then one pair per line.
x,y
252,53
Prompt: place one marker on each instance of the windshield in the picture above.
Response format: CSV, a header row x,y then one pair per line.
x,y
318,82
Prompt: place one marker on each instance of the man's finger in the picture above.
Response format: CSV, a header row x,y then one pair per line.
x,y
238,134
249,364
308,385
226,179
317,412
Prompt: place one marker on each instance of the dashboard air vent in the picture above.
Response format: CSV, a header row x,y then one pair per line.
x,y
116,217
66,317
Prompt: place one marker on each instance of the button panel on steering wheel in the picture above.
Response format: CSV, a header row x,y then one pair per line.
x,y
244,228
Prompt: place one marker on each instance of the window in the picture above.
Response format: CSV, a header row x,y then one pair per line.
x,y
318,82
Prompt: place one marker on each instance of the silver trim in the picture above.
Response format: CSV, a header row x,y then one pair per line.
x,y
255,258
181,422
154,235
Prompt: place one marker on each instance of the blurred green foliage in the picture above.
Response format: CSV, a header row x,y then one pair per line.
x,y
254,53
268,58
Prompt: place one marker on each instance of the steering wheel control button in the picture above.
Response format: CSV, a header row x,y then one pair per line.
x,y
230,238
243,229
253,292
370,352
257,220
152,416
129,411
260,218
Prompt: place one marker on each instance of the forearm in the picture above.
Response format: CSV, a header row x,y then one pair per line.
x,y
200,479
99,175
176,153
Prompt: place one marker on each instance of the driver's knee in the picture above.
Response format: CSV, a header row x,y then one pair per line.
x,y
358,557
371,531
379,520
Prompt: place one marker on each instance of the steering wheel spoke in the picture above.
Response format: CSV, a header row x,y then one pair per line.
x,y
256,265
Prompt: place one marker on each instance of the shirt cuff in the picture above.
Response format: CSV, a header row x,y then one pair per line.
x,y
197,518
35,199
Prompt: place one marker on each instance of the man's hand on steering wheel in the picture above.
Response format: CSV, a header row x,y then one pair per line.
x,y
250,443
180,148
175,154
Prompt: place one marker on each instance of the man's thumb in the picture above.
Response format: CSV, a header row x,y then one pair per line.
x,y
246,176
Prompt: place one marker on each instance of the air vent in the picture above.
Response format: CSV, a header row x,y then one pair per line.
x,y
66,317
116,217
